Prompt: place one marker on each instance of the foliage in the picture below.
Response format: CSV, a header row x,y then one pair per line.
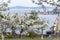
x,y
51,2
0,23
32,34
33,22
44,25
8,35
33,15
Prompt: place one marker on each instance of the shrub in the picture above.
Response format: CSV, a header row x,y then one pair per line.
x,y
9,35
32,34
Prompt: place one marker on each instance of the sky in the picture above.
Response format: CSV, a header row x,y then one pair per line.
x,y
26,3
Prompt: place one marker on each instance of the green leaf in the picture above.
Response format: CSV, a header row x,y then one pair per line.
x,y
0,22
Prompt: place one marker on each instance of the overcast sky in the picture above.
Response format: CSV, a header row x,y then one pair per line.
x,y
26,3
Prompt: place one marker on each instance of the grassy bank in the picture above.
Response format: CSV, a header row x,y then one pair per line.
x,y
35,38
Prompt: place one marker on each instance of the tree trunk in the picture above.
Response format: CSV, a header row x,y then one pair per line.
x,y
41,36
41,33
2,37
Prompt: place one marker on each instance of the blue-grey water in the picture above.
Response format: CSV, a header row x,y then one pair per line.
x,y
21,9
